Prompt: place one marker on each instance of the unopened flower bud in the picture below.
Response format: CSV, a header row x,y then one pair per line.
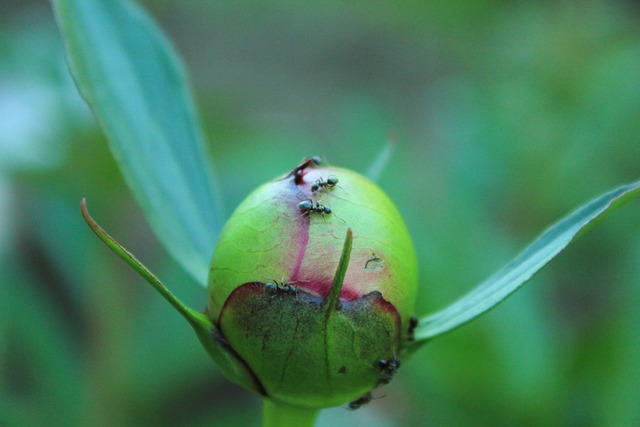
x,y
273,272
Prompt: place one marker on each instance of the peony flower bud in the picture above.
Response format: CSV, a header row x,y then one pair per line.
x,y
312,335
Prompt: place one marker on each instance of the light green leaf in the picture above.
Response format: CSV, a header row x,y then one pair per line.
x,y
135,84
516,273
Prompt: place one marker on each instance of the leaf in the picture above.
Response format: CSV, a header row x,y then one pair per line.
x,y
218,348
517,272
194,318
131,77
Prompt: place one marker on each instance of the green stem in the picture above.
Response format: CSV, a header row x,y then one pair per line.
x,y
277,414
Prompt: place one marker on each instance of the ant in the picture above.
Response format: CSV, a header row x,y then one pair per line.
x,y
309,207
321,184
362,400
315,160
388,369
273,288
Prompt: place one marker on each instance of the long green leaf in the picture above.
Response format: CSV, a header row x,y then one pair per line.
x,y
133,80
516,273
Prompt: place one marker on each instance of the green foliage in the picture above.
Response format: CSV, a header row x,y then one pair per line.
x,y
128,73
508,116
515,274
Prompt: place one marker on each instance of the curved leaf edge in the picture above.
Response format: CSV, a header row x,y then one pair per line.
x,y
229,362
494,290
191,249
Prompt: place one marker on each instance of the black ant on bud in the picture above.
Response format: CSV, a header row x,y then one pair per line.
x,y
275,287
321,184
309,206
315,160
362,400
388,369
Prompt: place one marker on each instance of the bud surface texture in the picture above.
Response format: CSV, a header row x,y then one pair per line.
x,y
273,270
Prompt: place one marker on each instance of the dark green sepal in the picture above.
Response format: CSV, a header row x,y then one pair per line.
x,y
230,363
234,368
303,359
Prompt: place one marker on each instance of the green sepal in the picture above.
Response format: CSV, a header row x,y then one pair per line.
x,y
332,302
234,368
276,332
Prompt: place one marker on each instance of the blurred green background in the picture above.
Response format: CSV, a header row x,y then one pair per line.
x,y
507,115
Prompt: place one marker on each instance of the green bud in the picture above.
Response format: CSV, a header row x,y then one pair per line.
x,y
312,334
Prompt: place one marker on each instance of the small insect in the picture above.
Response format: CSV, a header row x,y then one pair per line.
x,y
316,160
388,369
275,287
271,288
321,184
362,400
308,207
413,324
290,289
